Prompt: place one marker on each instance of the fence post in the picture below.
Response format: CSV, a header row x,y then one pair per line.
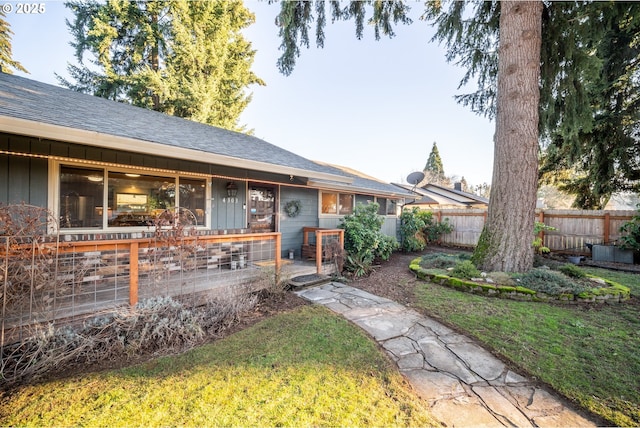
x,y
541,233
133,273
606,230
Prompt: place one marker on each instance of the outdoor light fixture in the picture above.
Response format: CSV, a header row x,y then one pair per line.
x,y
132,175
232,189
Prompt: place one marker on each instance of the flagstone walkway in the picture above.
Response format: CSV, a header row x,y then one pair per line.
x,y
464,384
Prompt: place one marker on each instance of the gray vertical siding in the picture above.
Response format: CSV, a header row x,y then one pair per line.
x,y
23,180
227,214
291,227
389,226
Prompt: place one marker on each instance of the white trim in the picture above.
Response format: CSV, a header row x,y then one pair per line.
x,y
97,139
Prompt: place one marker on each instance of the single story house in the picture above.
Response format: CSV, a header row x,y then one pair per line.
x,y
431,196
106,170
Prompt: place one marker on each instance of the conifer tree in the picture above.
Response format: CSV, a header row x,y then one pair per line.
x,y
588,97
183,58
434,162
434,170
7,63
506,241
594,149
588,94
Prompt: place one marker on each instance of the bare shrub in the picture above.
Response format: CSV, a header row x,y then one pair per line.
x,y
334,252
29,264
155,326
270,282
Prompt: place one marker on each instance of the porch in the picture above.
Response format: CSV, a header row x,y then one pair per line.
x,y
66,282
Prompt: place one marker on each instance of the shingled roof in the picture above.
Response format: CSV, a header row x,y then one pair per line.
x,y
42,110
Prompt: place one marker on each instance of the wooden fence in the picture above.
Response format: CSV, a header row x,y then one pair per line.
x,y
574,229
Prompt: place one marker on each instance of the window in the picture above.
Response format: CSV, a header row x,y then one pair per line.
x,y
386,206
337,203
192,197
136,200
392,207
81,194
93,198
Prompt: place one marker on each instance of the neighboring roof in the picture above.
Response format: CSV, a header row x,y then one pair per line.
x,y
37,109
362,182
432,194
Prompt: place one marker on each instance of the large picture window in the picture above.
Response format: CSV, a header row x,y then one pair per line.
x,y
97,198
337,203
81,196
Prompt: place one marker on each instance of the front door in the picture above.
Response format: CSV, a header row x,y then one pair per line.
x,y
262,208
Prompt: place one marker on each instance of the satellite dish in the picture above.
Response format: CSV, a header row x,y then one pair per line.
x,y
415,177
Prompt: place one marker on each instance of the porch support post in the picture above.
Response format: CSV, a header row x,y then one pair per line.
x,y
133,273
278,255
319,252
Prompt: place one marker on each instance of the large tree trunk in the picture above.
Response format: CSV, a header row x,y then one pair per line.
x,y
506,241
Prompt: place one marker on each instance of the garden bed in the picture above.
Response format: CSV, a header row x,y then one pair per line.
x,y
594,290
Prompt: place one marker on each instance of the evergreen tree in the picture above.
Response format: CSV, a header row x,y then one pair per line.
x,y
588,94
433,170
434,162
506,241
7,63
184,58
594,150
464,186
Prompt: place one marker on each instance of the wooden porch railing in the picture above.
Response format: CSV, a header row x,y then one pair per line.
x,y
133,246
69,280
319,251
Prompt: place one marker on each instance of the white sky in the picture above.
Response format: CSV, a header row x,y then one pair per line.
x,y
374,106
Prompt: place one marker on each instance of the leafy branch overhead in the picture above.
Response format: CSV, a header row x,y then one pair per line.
x,y
589,93
296,18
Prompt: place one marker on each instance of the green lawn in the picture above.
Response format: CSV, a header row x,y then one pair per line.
x,y
304,368
631,280
591,354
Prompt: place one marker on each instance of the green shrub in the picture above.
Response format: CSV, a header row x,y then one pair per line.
x,y
433,230
410,231
465,269
363,239
439,261
549,282
631,229
537,241
502,278
386,247
419,227
572,271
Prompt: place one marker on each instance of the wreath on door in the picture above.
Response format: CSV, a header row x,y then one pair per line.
x,y
292,208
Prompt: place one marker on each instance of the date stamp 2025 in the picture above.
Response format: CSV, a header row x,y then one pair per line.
x,y
23,8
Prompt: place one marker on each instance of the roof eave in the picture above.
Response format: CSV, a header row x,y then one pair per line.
x,y
97,139
321,185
